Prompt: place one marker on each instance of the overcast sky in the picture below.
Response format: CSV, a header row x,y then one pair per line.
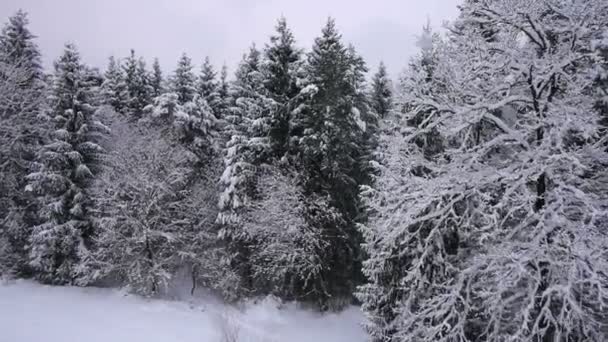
x,y
223,29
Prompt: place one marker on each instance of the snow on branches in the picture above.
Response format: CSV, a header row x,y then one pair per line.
x,y
496,235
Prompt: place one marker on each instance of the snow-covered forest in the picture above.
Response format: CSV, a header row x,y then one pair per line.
x,y
464,201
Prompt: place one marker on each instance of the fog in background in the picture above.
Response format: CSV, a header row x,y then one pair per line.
x,y
380,30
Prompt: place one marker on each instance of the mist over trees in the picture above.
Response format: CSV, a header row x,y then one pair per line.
x,y
465,201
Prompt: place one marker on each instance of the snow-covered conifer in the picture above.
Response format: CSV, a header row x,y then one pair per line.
x,y
137,91
207,85
330,125
113,87
17,47
381,93
59,245
20,138
247,123
183,81
156,79
281,62
223,93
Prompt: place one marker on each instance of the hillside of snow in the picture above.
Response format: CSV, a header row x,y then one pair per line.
x,y
30,312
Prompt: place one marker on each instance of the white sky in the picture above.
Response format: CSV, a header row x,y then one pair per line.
x,y
223,29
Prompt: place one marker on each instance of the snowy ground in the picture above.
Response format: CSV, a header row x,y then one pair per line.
x,y
35,313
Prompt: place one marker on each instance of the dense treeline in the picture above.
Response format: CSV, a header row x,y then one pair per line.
x,y
469,206
249,184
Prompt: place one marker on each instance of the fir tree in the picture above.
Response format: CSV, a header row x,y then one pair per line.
x,y
144,88
183,82
223,97
113,87
366,119
207,84
331,129
20,139
282,59
247,126
156,79
137,88
17,47
241,157
382,93
129,67
93,81
59,245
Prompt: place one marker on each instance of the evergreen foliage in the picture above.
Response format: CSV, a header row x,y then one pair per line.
x,y
59,245
468,206
183,82
382,93
17,48
281,64
156,80
113,87
137,90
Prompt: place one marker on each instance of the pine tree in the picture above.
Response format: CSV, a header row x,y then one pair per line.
x,y
113,87
17,47
59,245
495,236
382,93
183,82
156,80
282,60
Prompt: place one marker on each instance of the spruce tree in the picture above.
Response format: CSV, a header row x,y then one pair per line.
x,y
59,245
137,88
207,84
331,124
129,67
282,59
382,93
144,88
367,121
183,82
247,127
223,97
93,81
113,87
156,79
17,47
21,97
